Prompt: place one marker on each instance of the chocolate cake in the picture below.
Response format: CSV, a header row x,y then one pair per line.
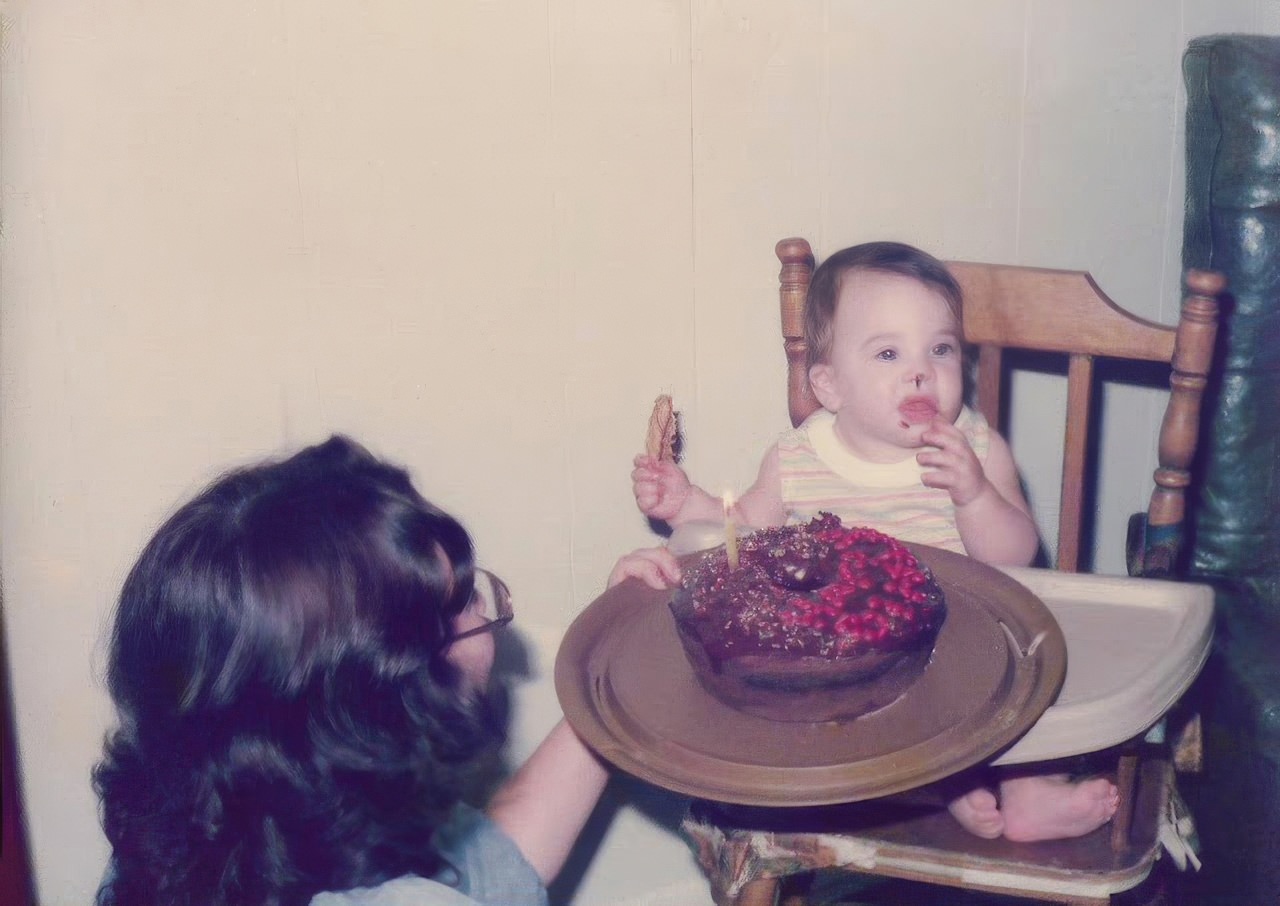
x,y
818,622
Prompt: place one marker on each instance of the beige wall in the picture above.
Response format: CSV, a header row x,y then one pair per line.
x,y
480,237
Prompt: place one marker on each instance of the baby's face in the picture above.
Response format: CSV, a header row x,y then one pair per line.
x,y
895,364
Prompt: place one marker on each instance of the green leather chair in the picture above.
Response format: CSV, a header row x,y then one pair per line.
x,y
1233,226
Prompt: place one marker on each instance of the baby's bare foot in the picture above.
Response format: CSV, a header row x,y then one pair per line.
x,y
1052,807
978,813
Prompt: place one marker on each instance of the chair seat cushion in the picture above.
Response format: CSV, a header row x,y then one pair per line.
x,y
737,845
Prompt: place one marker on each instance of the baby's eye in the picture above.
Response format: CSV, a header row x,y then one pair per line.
x,y
887,355
943,349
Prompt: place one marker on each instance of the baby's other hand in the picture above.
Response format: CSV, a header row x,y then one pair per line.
x,y
654,566
953,466
660,486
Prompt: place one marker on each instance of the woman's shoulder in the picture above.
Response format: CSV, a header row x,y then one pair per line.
x,y
407,891
485,868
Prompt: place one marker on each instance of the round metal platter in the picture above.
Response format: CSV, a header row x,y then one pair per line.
x,y
627,689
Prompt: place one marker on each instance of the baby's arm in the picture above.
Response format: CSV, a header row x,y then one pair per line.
x,y
663,491
761,504
992,514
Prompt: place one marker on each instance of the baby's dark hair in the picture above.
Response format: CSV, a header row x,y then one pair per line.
x,y
289,720
886,257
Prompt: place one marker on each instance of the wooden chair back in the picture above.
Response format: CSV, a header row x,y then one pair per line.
x,y
1057,311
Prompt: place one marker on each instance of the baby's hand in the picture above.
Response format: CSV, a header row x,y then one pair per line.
x,y
661,487
654,566
953,466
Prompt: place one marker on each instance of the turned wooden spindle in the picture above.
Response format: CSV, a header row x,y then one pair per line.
x,y
793,285
1192,357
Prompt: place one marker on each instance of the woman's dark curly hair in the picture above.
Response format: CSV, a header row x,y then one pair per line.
x,y
288,720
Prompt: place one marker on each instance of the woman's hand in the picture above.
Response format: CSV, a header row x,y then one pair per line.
x,y
654,566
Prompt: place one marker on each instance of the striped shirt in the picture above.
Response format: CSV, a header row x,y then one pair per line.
x,y
819,474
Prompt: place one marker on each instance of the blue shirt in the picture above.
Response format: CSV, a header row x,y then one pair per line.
x,y
485,867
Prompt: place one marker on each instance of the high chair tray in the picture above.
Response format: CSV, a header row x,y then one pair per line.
x,y
628,690
1134,646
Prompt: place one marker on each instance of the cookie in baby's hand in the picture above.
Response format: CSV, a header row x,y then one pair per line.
x,y
663,439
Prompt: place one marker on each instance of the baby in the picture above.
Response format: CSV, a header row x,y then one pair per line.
x,y
894,448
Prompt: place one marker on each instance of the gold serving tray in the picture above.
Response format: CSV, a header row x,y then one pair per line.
x,y
627,689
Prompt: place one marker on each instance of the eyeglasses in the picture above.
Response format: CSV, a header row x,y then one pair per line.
x,y
491,599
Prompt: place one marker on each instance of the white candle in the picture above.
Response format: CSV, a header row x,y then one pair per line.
x,y
730,532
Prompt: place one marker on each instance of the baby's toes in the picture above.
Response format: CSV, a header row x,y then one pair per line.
x,y
1112,801
1103,795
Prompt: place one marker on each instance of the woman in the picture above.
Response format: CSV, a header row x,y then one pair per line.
x,y
300,663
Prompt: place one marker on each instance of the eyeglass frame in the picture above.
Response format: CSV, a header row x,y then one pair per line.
x,y
501,604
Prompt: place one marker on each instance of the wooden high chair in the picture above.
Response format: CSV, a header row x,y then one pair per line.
x,y
749,853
